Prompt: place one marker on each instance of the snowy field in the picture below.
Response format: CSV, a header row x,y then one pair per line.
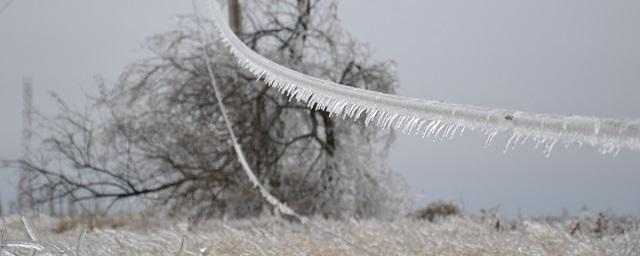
x,y
272,236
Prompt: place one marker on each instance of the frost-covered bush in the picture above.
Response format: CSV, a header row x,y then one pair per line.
x,y
438,210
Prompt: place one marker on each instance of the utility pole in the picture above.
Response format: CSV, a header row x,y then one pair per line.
x,y
235,16
25,189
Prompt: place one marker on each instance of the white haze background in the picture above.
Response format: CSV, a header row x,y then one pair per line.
x,y
569,57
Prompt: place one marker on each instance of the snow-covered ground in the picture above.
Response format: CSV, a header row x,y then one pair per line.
x,y
272,236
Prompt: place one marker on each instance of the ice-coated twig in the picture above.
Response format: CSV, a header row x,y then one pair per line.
x,y
430,118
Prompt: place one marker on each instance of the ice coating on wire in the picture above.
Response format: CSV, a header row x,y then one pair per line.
x,y
435,119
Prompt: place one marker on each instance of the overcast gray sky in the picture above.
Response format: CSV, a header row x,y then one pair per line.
x,y
569,57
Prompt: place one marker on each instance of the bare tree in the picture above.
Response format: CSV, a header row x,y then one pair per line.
x,y
158,136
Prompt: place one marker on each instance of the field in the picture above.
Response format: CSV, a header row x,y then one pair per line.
x,y
135,235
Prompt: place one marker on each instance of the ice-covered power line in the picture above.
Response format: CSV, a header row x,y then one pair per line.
x,y
428,118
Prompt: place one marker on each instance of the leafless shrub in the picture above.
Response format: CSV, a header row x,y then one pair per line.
x,y
438,210
603,225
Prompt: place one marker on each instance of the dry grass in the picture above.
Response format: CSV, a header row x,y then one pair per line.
x,y
126,235
91,222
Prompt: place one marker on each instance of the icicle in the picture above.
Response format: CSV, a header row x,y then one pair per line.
x,y
490,136
357,115
453,131
617,151
391,120
428,128
524,139
422,122
347,111
370,116
442,127
540,141
400,122
549,148
432,128
409,125
506,148
447,132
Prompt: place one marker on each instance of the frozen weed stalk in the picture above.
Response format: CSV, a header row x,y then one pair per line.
x,y
435,119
